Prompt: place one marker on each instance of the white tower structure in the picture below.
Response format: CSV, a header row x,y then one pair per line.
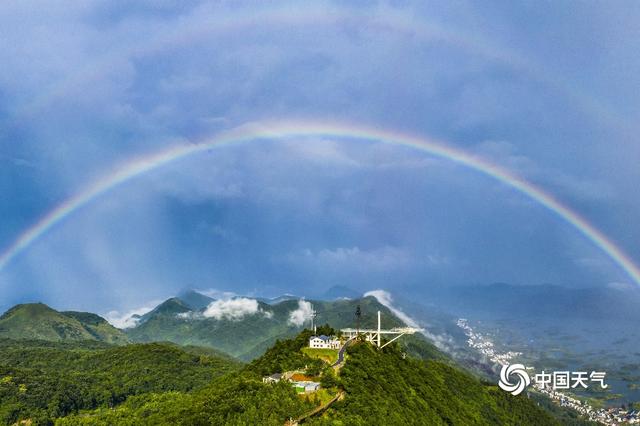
x,y
379,329
313,316
375,335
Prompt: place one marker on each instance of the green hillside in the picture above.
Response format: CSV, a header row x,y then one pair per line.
x,y
98,327
38,321
252,335
380,388
44,380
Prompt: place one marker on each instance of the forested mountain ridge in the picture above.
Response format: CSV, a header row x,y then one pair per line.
x,y
377,387
39,321
42,380
248,336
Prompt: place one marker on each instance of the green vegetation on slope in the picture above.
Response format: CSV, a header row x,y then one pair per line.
x,y
328,355
98,327
381,388
38,321
251,336
287,355
232,400
44,380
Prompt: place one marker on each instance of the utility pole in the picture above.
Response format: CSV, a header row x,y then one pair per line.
x,y
379,329
313,315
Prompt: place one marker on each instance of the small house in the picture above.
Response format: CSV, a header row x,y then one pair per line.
x,y
274,378
305,386
324,342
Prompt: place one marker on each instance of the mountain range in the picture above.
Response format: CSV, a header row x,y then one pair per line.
x,y
245,327
241,327
75,368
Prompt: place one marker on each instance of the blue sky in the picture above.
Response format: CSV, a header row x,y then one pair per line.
x,y
548,91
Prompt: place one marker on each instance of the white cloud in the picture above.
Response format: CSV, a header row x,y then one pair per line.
x,y
442,342
383,258
384,297
217,294
621,286
234,309
129,319
323,151
302,314
190,315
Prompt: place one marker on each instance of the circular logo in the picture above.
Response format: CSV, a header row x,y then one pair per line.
x,y
519,373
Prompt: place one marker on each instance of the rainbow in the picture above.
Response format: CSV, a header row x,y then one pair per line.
x,y
289,130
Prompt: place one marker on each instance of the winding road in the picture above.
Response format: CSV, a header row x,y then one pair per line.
x,y
341,353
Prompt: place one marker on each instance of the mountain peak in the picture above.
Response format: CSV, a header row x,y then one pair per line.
x,y
341,292
41,322
194,299
32,309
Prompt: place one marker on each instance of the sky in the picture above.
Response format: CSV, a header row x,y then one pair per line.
x,y
546,91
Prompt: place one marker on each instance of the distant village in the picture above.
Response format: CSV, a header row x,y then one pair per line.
x,y
609,416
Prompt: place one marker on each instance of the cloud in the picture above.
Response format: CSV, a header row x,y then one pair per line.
x,y
621,286
384,297
382,258
217,294
234,309
130,318
323,152
443,342
301,315
81,92
190,315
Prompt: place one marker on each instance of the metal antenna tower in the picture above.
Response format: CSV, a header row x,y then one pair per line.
x,y
313,316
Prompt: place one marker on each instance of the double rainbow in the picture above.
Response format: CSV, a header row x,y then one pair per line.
x,y
291,130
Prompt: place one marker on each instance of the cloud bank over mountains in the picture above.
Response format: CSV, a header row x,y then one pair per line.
x,y
301,315
234,309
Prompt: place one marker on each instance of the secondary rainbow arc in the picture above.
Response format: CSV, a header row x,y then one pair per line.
x,y
288,130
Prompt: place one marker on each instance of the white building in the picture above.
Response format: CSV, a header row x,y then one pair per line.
x,y
274,378
324,342
305,386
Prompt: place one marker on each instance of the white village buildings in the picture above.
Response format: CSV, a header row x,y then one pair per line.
x,y
324,342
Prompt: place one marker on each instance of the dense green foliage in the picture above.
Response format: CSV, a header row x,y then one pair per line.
x,y
38,321
286,355
84,380
45,380
384,388
231,400
381,388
